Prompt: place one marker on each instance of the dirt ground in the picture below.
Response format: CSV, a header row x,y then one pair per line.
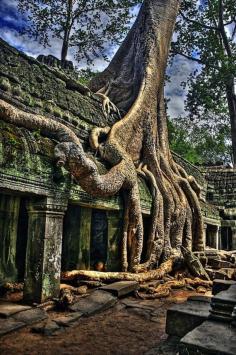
x,y
120,330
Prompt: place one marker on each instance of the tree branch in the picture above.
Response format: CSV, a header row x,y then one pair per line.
x,y
198,23
199,61
222,30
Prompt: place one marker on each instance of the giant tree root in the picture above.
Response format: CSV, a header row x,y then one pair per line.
x,y
164,290
156,274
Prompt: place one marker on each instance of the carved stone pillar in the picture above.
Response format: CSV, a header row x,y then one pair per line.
x,y
43,257
9,214
204,234
217,237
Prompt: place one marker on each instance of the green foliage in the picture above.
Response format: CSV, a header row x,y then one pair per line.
x,y
85,75
202,144
88,26
206,34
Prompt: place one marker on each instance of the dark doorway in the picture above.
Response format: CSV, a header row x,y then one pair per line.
x,y
22,237
99,239
226,238
71,238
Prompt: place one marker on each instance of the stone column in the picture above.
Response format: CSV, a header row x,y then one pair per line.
x,y
217,237
204,234
9,215
43,257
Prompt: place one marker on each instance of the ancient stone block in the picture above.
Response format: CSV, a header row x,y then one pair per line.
x,y
31,316
222,305
68,320
9,325
209,338
121,288
50,328
7,309
219,264
221,285
184,317
96,302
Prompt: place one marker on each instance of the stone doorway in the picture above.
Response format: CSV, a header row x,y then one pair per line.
x,y
13,237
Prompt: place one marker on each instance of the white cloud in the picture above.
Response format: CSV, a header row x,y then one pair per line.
x,y
178,72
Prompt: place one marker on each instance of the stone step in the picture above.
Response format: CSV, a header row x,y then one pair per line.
x,y
97,301
31,316
226,297
9,325
221,285
209,338
184,317
7,309
121,288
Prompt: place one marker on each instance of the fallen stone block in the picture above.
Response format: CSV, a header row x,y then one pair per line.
x,y
220,264
225,274
209,338
222,305
50,328
68,320
121,288
184,317
7,309
9,325
221,285
200,298
31,316
97,301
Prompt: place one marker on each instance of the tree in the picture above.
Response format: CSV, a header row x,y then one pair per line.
x,y
85,25
136,144
202,143
206,34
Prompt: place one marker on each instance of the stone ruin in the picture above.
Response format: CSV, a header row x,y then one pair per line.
x,y
47,222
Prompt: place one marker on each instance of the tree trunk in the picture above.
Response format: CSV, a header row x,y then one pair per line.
x,y
231,99
67,30
135,145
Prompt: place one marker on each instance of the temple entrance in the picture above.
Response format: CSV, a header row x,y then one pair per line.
x,y
212,236
13,237
99,240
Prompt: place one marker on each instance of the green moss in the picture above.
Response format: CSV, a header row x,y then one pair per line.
x,y
57,112
66,116
16,90
37,134
75,122
38,103
5,84
28,100
48,107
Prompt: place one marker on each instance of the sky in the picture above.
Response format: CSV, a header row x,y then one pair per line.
x,y
11,22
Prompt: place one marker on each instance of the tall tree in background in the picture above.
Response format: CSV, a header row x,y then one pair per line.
x,y
85,25
206,34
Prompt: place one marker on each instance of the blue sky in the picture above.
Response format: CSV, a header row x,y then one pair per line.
x,y
11,22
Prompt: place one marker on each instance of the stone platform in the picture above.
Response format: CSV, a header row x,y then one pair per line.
x,y
184,317
15,316
213,338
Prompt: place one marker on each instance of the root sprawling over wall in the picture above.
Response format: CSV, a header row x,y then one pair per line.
x,y
135,145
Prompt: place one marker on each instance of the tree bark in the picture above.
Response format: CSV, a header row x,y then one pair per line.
x,y
67,30
231,99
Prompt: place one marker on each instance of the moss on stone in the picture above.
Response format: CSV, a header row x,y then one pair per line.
x,y
5,84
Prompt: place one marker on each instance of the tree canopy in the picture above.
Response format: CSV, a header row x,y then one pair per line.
x,y
206,34
84,25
